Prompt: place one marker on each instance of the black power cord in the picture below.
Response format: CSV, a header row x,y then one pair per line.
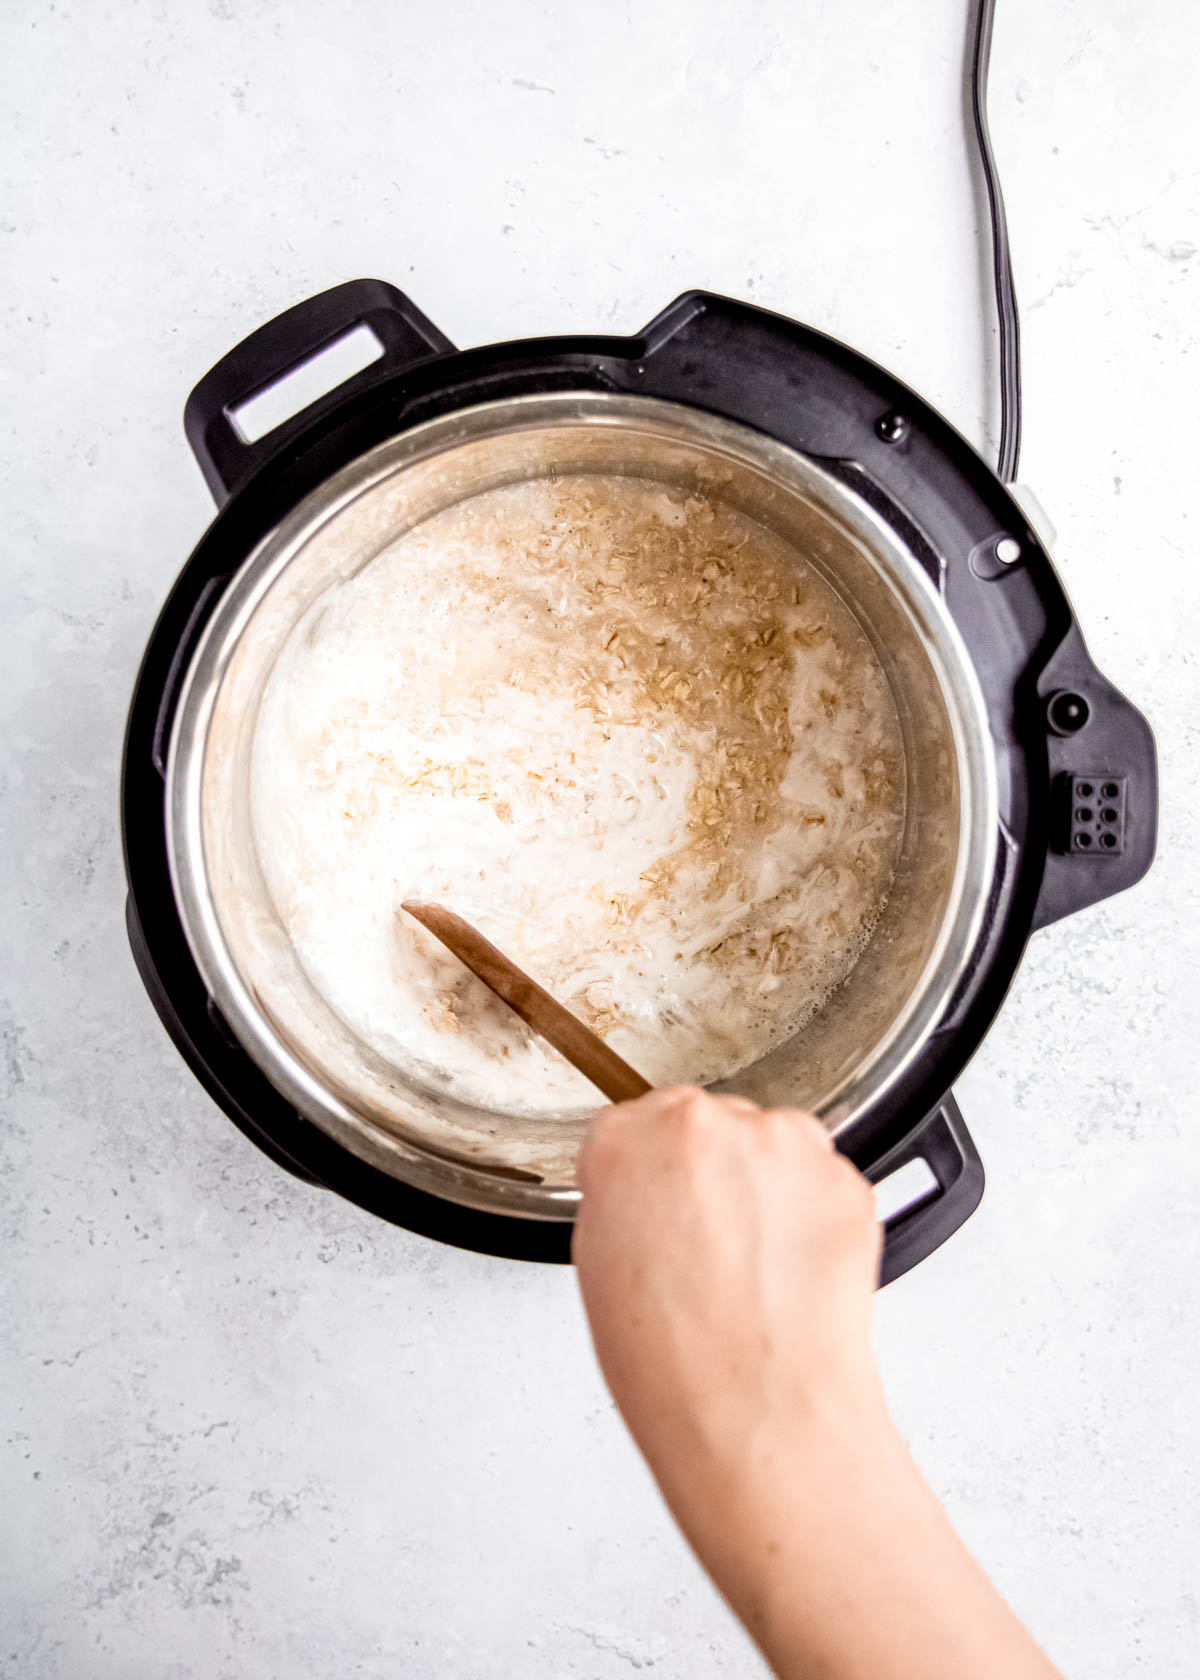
x,y
1006,296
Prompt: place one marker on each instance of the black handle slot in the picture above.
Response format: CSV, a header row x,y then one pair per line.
x,y
953,1186
229,453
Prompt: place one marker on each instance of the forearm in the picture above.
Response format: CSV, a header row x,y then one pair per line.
x,y
832,1550
729,1259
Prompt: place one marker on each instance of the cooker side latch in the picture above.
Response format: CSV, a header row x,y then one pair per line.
x,y
240,415
1101,794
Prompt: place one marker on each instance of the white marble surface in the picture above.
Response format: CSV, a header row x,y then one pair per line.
x,y
250,1432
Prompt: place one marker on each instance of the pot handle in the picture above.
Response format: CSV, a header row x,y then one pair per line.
x,y
225,455
951,1191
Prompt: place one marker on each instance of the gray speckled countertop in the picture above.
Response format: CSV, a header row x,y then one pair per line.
x,y
247,1430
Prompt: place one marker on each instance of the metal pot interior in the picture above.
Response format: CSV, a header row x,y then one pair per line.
x,y
846,1057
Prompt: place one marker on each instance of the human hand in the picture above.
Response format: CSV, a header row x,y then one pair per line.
x,y
728,1260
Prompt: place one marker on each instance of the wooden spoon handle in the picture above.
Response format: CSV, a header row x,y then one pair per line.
x,y
535,1006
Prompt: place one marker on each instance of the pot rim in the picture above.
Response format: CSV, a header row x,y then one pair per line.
x,y
423,1167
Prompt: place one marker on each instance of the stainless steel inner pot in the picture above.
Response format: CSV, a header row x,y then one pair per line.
x,y
846,1058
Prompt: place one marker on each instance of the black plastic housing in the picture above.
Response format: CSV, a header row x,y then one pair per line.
x,y
823,400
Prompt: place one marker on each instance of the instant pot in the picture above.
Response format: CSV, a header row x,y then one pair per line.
x,y
1030,781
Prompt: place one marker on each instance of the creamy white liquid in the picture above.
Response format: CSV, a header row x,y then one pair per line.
x,y
625,732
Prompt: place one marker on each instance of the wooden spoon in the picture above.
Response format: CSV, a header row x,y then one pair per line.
x,y
535,1006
